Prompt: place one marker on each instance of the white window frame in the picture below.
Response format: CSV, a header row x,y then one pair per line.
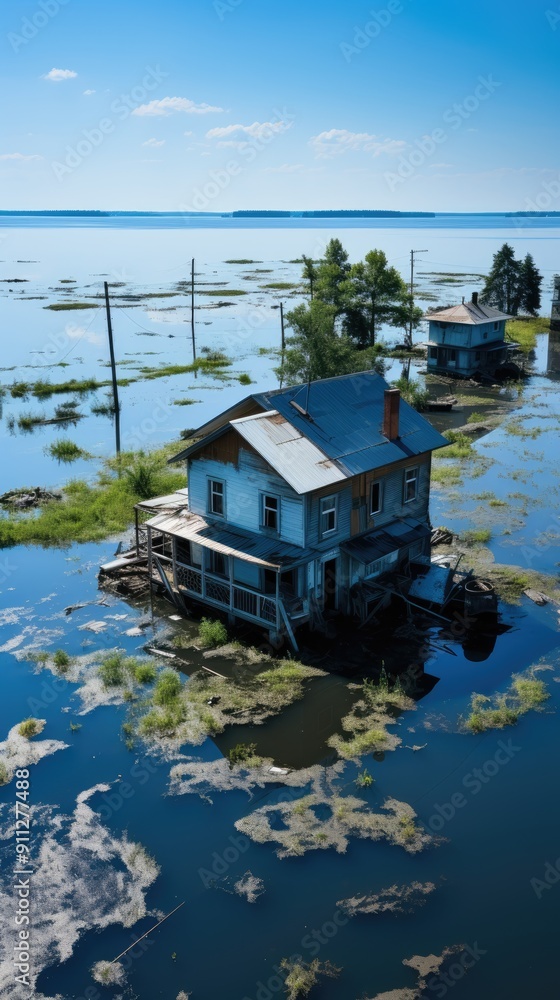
x,y
265,508
411,475
212,493
372,512
212,554
324,510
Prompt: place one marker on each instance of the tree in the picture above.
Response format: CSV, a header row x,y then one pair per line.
x,y
530,281
502,284
317,350
331,276
377,292
309,272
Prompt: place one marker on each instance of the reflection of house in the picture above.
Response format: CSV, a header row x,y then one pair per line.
x,y
294,497
467,339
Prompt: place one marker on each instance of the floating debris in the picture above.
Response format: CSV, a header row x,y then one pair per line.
x,y
18,751
24,498
395,899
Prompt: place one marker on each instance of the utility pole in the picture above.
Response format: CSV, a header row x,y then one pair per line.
x,y
192,311
412,254
113,372
283,337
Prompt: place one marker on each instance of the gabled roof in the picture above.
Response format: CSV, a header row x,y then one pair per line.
x,y
468,312
331,430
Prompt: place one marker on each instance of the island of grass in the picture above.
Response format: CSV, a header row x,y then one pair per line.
x,y
524,331
220,292
63,306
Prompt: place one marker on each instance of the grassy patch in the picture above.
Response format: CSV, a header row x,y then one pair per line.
x,y
366,725
242,260
478,536
302,977
412,392
185,402
222,292
244,379
66,451
63,306
30,727
446,475
61,661
475,418
27,421
460,446
212,633
524,331
42,389
4,775
519,429
92,511
246,754
280,285
526,694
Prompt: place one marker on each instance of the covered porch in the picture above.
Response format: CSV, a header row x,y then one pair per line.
x,y
251,577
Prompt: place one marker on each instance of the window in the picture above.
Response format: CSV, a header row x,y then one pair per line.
x,y
216,497
270,516
485,335
496,326
433,353
410,485
329,509
217,563
376,500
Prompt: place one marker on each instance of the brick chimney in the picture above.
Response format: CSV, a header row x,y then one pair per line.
x,y
391,414
475,298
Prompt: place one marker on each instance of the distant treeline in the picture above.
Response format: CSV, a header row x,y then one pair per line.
x,y
530,215
367,213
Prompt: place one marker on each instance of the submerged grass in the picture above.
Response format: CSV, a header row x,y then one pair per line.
x,y
92,511
66,451
366,725
524,331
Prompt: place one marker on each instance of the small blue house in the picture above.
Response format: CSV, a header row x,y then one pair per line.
x,y
467,339
298,501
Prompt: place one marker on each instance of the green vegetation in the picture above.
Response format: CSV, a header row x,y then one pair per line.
x,y
3,773
185,402
244,753
513,285
365,779
111,670
280,285
412,392
519,429
524,331
144,673
43,389
527,693
446,475
117,669
92,511
29,727
106,409
475,418
65,450
478,536
27,421
244,379
212,633
460,446
242,260
61,661
60,306
75,727
302,977
367,723
220,292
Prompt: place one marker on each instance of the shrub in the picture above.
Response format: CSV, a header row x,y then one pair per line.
x,y
212,633
142,477
112,671
167,688
66,450
242,753
29,727
364,779
412,392
3,773
61,661
145,673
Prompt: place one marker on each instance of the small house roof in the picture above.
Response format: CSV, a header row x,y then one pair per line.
x,y
471,313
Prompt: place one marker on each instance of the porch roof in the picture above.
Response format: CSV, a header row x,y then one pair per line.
x,y
261,550
171,501
376,544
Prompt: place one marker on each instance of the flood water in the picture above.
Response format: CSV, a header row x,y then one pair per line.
x,y
489,868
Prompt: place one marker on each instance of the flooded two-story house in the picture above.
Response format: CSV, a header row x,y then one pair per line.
x,y
467,339
297,498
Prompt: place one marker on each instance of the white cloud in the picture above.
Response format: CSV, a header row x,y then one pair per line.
x,y
56,75
168,105
20,157
257,130
87,93
154,143
285,168
188,133
82,333
340,140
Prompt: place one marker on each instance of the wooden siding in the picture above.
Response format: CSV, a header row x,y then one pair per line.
x,y
313,537
465,335
392,486
245,482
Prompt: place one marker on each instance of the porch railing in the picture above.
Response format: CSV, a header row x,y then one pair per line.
x,y
227,596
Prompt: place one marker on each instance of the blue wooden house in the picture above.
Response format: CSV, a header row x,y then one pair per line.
x,y
467,339
298,501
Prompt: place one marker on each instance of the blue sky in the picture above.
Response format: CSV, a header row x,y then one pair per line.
x,y
230,104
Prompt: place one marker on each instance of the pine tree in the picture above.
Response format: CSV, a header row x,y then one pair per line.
x,y
530,281
502,288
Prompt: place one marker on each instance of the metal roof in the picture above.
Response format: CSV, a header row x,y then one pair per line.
x,y
376,544
304,466
467,313
253,548
344,422
170,502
